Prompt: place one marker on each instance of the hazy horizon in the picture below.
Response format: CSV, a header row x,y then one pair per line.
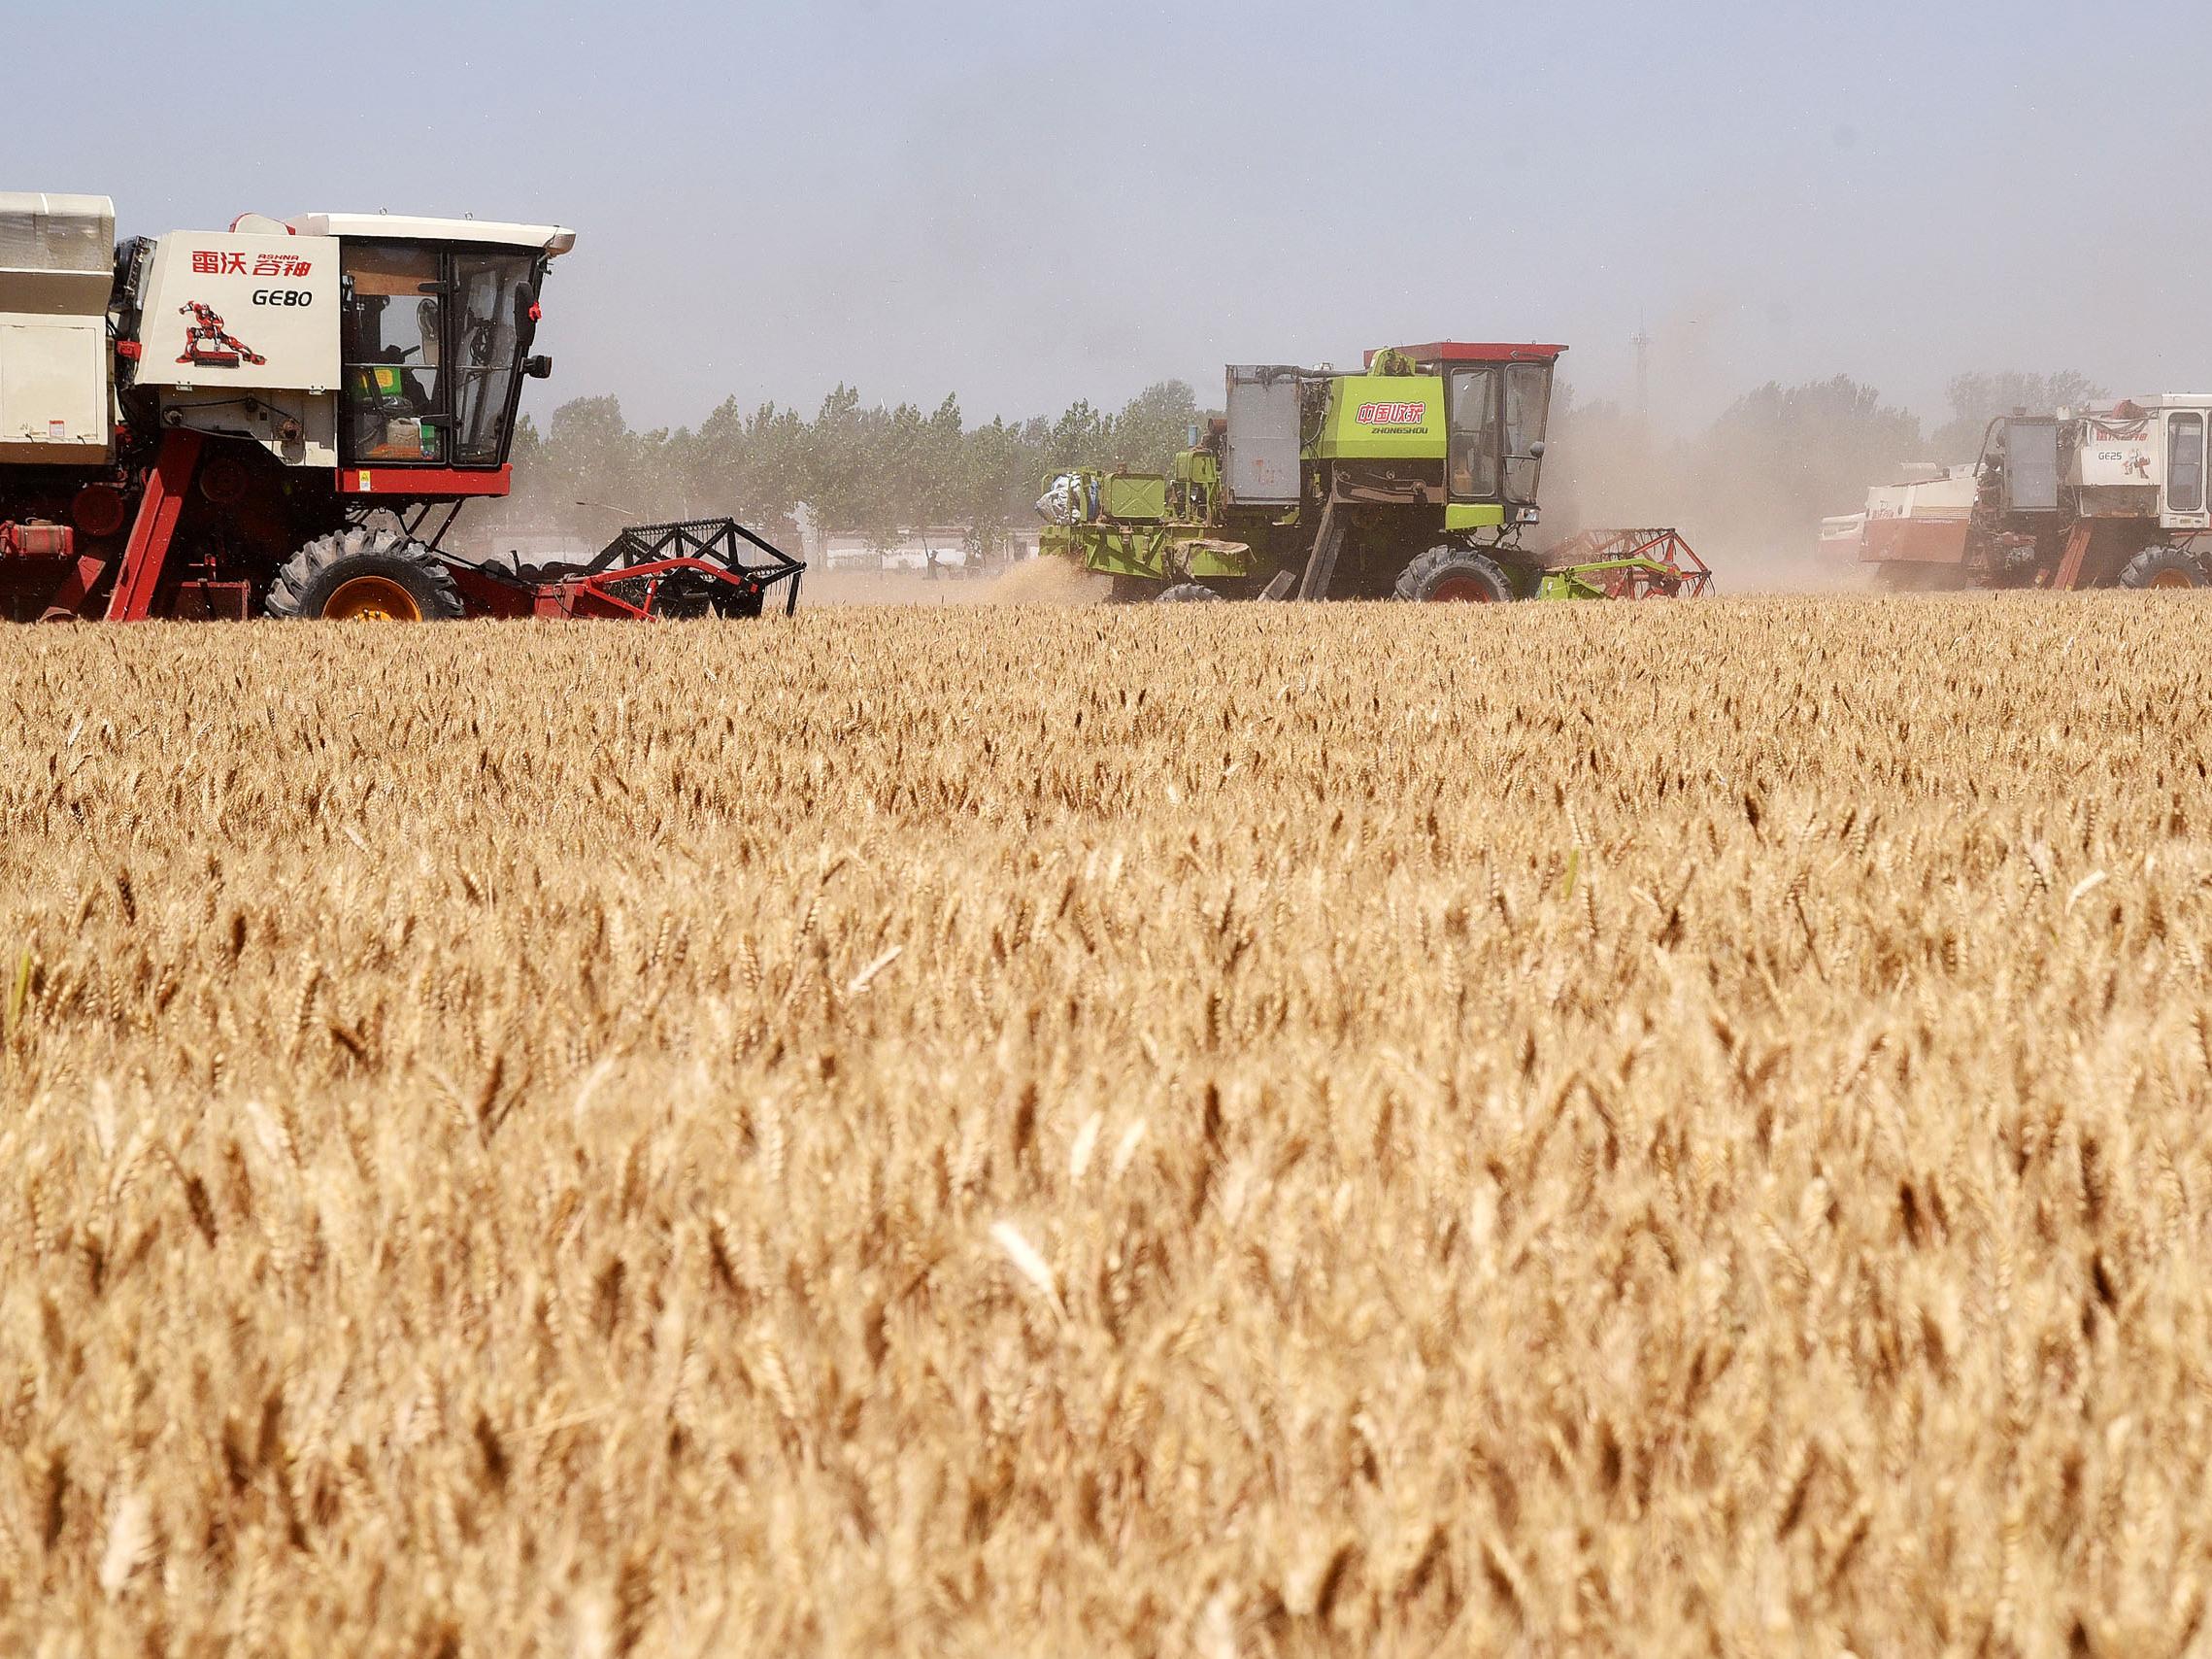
x,y
1027,206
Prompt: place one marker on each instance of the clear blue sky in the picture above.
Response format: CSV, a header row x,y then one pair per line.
x,y
1028,203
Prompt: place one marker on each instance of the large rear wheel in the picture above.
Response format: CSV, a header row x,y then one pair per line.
x,y
2163,568
365,575
1451,575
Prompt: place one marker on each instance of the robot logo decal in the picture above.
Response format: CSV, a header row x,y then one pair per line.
x,y
207,345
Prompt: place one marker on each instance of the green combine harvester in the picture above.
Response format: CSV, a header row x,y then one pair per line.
x,y
1414,479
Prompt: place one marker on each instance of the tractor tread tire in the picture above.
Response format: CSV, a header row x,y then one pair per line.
x,y
304,584
1189,593
1421,579
2153,563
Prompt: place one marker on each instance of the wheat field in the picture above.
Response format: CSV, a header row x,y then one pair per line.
x,y
1195,1131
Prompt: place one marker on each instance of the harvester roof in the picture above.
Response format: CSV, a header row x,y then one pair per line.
x,y
1472,352
553,238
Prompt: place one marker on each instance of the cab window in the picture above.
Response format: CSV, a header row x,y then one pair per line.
x,y
2185,463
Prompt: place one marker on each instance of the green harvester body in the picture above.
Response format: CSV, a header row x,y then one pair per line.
x,y
1336,481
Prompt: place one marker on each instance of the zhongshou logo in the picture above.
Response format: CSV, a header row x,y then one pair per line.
x,y
1393,415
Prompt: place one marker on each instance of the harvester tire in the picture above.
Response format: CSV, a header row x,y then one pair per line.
x,y
1190,594
1454,575
2163,568
365,573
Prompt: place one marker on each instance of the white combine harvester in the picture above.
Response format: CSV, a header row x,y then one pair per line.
x,y
286,418
2113,497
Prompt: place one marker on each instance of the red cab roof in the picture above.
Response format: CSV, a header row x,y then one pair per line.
x,y
1469,352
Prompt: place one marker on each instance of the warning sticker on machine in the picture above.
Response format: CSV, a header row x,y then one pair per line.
x,y
1391,415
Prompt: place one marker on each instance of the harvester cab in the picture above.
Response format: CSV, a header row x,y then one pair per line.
x,y
288,416
1450,425
1414,478
1493,401
356,344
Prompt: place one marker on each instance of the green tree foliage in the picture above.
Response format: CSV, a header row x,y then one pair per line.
x,y
1078,438
749,464
847,478
1153,426
993,487
1977,399
1820,444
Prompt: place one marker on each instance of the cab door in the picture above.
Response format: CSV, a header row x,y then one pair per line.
x,y
494,294
1527,397
1471,426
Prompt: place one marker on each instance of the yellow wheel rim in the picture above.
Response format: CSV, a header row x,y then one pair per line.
x,y
2172,579
372,598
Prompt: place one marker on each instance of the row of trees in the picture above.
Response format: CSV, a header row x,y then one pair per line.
x,y
1752,483
858,468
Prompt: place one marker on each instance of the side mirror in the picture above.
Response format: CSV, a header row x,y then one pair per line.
x,y
538,368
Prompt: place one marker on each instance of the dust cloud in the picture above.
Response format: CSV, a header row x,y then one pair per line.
x,y
1749,501
1047,581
